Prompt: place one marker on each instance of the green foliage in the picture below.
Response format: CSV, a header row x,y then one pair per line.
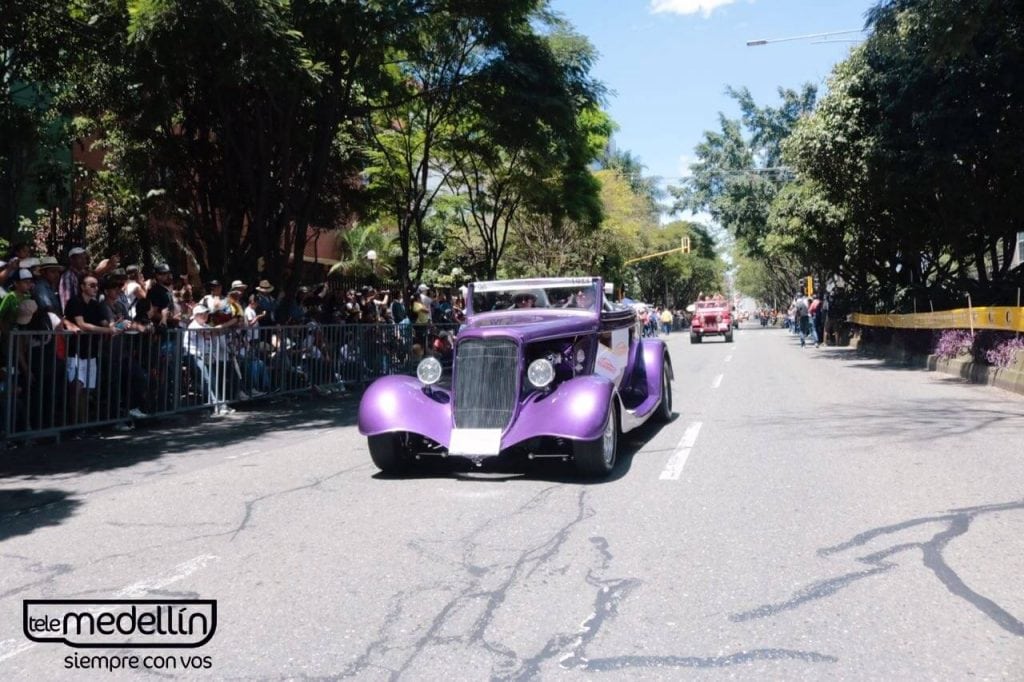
x,y
737,175
915,149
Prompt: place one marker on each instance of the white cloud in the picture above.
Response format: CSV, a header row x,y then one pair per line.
x,y
705,7
685,161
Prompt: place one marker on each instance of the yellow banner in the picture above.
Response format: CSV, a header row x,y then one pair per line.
x,y
1001,318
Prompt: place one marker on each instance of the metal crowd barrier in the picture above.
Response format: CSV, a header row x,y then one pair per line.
x,y
57,382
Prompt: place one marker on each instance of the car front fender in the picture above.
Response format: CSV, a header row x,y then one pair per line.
x,y
576,409
400,403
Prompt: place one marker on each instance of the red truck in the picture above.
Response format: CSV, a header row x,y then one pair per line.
x,y
711,318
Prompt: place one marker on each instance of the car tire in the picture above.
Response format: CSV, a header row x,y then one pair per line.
x,y
596,458
694,338
389,451
728,336
664,412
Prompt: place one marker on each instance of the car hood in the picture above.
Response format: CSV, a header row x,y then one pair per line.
x,y
528,326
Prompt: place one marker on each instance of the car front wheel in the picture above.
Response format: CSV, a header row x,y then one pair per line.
x,y
596,458
664,413
390,452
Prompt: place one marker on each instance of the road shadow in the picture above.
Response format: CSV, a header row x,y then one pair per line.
x,y
519,467
23,510
155,438
907,421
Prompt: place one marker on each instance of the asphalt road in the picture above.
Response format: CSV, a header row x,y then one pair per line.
x,y
809,514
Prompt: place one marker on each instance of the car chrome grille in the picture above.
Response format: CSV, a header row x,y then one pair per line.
x,y
485,383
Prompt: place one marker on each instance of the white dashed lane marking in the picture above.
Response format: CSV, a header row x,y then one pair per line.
x,y
728,358
718,381
674,468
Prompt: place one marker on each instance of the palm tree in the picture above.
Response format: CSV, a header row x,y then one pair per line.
x,y
355,243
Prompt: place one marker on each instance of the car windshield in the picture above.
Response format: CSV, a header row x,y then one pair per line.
x,y
493,296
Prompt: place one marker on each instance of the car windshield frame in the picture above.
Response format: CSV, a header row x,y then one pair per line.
x,y
504,296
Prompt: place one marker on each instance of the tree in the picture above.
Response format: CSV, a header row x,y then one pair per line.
x,y
737,174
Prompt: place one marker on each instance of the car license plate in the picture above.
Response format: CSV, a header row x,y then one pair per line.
x,y
475,442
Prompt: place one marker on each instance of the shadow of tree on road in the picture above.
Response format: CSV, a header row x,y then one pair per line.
x,y
178,435
23,510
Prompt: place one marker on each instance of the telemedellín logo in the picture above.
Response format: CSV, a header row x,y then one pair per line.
x,y
121,623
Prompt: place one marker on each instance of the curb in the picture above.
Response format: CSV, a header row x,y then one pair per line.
x,y
1006,378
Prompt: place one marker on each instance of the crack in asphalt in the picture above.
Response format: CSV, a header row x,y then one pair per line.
x,y
568,648
50,573
528,561
251,504
957,523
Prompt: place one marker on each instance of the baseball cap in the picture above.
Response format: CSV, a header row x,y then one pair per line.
x,y
76,251
162,269
200,309
21,275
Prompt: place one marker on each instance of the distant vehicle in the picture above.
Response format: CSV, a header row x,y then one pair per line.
x,y
711,318
542,368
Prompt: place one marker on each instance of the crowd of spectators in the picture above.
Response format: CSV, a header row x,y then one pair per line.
x,y
115,342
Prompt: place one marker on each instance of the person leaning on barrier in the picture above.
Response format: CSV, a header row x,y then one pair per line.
x,y
11,314
47,279
85,312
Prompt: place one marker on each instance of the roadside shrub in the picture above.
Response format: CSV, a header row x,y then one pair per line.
x,y
953,343
1003,353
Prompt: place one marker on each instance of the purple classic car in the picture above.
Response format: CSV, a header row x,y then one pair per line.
x,y
543,368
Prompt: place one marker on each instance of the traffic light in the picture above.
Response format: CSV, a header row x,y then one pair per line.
x,y
810,286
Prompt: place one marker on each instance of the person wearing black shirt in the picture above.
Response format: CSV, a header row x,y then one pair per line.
x,y
86,312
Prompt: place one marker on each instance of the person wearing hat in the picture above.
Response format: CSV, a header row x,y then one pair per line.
x,y
266,304
21,284
163,308
208,352
47,279
78,260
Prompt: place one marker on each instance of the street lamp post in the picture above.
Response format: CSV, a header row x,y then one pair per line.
x,y
371,256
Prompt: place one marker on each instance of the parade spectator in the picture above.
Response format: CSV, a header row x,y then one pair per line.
x,y
421,310
426,300
266,303
398,311
85,312
163,308
214,294
817,319
70,281
208,352
801,319
252,315
12,315
666,321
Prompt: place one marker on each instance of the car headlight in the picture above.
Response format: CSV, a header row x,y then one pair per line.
x,y
540,373
429,371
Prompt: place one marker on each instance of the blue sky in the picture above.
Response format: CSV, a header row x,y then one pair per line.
x,y
668,62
